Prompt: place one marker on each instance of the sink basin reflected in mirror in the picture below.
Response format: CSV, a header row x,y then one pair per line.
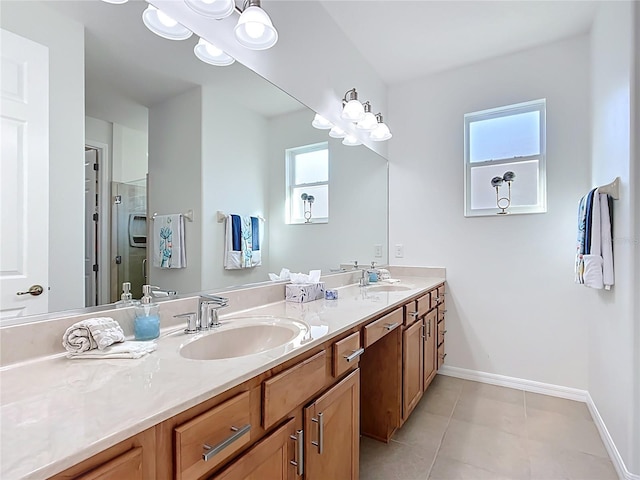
x,y
389,288
238,337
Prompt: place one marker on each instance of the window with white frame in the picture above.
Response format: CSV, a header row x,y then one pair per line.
x,y
308,184
502,140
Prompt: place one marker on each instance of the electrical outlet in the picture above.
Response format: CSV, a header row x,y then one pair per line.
x,y
399,250
377,251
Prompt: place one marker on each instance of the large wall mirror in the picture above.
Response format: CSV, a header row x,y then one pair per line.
x,y
174,135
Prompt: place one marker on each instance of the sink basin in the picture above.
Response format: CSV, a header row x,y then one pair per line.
x,y
389,288
238,337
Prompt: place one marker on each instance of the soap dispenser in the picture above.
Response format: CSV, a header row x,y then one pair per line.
x,y
373,273
146,325
126,300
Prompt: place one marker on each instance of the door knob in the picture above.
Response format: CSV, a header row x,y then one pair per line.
x,y
34,290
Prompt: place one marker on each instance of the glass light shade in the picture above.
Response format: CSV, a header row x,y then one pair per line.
x,y
322,123
353,111
368,123
217,9
351,141
255,30
337,132
381,133
211,54
163,25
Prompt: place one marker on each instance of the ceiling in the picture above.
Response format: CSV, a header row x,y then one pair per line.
x,y
403,39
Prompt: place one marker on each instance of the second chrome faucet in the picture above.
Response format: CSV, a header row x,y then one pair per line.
x,y
207,315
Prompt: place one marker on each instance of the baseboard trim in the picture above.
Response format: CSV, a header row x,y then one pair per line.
x,y
554,391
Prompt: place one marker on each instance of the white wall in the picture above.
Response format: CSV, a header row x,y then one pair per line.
x,y
513,308
65,40
175,150
357,202
234,180
130,149
614,374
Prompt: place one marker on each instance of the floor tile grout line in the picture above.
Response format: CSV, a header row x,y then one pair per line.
x,y
435,457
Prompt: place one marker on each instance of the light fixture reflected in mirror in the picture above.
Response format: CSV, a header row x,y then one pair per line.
x,y
163,25
211,54
337,132
115,2
369,122
217,9
321,123
255,30
351,141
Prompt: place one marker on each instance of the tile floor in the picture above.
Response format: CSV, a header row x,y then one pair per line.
x,y
466,430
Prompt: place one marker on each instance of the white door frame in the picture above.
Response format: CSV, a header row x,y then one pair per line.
x,y
104,219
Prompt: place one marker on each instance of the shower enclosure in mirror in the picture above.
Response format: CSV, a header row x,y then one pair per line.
x,y
209,138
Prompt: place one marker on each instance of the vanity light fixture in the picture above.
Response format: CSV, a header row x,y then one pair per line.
x,y
352,109
211,54
337,132
115,2
369,122
503,202
254,29
163,25
351,141
381,132
217,9
321,123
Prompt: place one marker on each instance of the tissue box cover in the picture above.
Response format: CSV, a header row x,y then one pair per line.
x,y
304,292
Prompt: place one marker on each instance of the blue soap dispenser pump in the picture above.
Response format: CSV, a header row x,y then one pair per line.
x,y
146,325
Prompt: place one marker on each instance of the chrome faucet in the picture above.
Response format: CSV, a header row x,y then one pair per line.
x,y
208,310
364,280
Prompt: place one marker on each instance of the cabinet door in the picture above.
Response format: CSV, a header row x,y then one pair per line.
x,y
268,459
412,368
332,432
127,466
430,338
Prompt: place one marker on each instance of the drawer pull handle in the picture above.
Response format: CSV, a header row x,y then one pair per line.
x,y
444,311
443,332
320,422
391,326
212,451
354,355
414,314
442,356
299,461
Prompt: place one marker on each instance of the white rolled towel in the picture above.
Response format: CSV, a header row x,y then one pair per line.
x,y
92,333
130,349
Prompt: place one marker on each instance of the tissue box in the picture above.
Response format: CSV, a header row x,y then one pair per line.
x,y
304,292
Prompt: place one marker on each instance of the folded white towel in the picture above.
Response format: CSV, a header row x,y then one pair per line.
x,y
128,349
92,333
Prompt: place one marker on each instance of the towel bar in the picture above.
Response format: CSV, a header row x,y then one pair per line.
x,y
613,189
188,215
221,216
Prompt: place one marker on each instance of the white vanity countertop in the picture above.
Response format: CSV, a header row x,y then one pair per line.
x,y
57,412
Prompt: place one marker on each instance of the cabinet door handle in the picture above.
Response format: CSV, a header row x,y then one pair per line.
x,y
391,326
422,334
320,442
299,460
429,330
212,451
354,355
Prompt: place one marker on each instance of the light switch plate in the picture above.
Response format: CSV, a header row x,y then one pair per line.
x,y
399,250
377,251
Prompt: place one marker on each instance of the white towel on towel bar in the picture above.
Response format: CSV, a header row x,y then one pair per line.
x,y
242,242
169,248
598,261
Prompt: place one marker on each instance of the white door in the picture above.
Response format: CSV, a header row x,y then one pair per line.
x,y
24,177
91,228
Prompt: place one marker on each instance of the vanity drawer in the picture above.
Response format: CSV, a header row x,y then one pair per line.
x,y
346,354
441,355
378,329
441,331
222,431
285,391
437,296
424,303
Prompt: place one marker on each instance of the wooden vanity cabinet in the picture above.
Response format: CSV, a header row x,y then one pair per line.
x,y
412,367
332,432
132,459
